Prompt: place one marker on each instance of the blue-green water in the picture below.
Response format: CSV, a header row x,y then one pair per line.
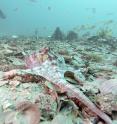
x,y
24,16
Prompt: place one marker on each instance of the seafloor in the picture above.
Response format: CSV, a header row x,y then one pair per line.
x,y
96,60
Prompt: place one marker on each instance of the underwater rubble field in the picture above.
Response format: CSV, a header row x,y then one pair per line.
x,y
88,65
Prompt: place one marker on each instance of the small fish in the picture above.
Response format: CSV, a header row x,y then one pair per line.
x,y
33,1
109,22
109,14
16,9
49,8
2,15
93,10
87,34
14,36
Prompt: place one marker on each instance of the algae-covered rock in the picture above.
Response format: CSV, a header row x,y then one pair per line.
x,y
71,36
58,34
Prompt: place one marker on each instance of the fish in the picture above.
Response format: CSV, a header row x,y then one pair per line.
x,y
49,8
33,1
15,9
93,10
2,15
109,14
108,22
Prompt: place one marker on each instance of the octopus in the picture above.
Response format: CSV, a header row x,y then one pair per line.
x,y
50,70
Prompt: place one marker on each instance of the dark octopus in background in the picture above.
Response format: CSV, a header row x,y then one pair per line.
x,y
2,15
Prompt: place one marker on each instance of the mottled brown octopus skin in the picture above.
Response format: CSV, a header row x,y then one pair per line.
x,y
29,110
